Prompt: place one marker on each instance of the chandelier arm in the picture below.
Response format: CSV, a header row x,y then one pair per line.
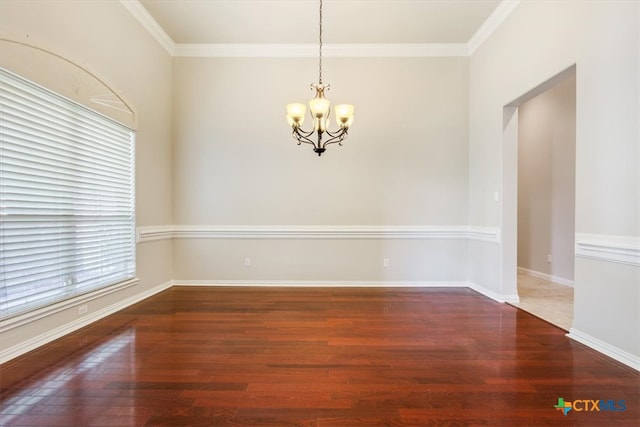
x,y
303,137
336,133
336,137
302,132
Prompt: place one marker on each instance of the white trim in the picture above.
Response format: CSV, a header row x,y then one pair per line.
x,y
222,50
618,249
492,23
485,234
394,50
344,50
21,319
604,348
353,284
40,340
120,111
150,24
494,295
364,50
323,283
151,233
547,277
154,232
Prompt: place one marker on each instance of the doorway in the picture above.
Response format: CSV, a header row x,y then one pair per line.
x,y
540,154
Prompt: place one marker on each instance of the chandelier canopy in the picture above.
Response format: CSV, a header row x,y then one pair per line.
x,y
319,109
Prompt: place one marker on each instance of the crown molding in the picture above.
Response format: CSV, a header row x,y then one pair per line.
x,y
395,50
384,50
151,25
257,50
364,50
492,23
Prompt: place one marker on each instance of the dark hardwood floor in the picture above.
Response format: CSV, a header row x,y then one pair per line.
x,y
316,357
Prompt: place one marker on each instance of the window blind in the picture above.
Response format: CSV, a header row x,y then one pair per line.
x,y
67,222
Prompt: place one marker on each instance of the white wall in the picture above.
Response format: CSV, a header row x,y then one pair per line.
x,y
404,164
546,181
536,42
103,37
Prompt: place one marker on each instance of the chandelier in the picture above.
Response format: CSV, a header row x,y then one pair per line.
x,y
319,108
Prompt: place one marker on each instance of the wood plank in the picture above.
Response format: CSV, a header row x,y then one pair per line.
x,y
194,356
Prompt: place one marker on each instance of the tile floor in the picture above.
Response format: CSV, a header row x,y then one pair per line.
x,y
547,300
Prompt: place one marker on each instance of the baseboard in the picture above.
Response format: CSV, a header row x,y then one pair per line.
x,y
493,295
40,340
547,277
31,316
353,283
324,283
606,349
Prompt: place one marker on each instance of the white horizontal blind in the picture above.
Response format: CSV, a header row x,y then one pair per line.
x,y
67,222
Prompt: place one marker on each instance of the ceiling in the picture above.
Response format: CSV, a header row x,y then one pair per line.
x,y
344,21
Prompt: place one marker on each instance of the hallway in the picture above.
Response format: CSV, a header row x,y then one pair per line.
x,y
547,300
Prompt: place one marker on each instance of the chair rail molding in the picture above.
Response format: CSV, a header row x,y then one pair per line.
x,y
152,233
618,249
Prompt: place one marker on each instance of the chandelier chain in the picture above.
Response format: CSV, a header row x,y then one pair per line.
x,y
320,53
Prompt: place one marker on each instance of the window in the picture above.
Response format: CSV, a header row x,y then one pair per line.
x,y
67,223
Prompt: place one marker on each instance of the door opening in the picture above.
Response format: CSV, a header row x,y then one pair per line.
x,y
539,198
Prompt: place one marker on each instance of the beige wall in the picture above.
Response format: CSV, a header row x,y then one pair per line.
x,y
103,37
536,42
404,163
546,181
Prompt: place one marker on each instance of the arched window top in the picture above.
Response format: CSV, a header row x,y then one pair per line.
x,y
66,78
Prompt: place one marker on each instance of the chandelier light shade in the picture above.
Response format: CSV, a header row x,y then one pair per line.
x,y
320,109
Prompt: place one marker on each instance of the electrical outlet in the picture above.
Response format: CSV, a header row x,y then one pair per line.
x,y
83,309
385,262
247,262
549,258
